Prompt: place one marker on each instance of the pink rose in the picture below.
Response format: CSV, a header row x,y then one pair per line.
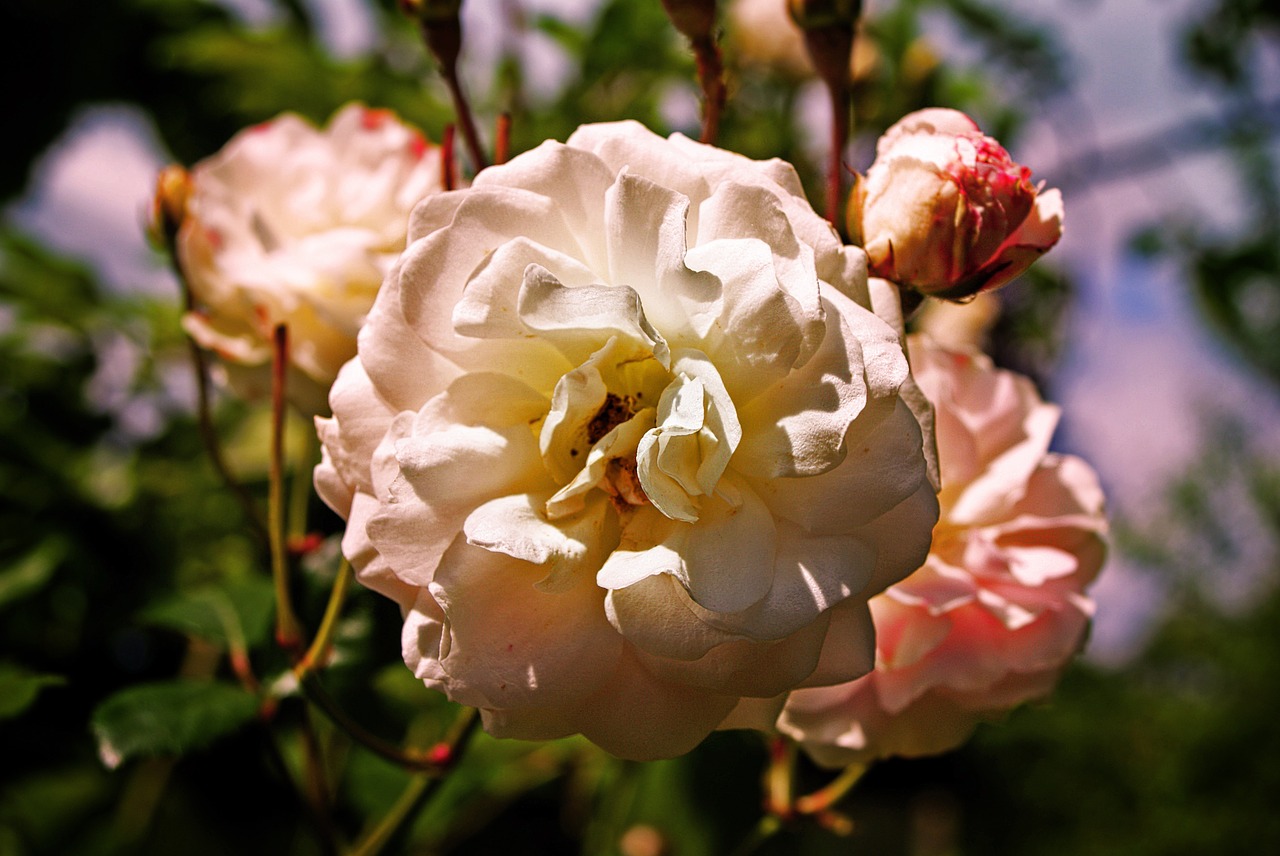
x,y
292,225
946,211
998,609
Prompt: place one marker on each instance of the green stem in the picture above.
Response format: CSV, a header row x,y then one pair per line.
x,y
204,419
824,798
421,787
768,827
319,650
288,630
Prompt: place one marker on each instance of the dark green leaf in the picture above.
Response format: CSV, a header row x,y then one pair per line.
x,y
32,571
168,718
19,688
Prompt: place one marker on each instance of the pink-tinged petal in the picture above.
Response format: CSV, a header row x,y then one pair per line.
x,y
641,718
514,645
906,634
1038,234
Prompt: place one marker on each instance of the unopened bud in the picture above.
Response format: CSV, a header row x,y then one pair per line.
x,y
693,18
828,27
169,205
814,14
441,27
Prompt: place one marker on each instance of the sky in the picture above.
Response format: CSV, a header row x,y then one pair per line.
x,y
1139,373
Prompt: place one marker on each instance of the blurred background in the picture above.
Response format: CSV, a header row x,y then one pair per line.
x,y
1155,324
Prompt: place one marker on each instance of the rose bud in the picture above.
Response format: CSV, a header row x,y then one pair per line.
x,y
946,211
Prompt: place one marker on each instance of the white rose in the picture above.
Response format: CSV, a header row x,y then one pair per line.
x,y
999,608
292,225
624,440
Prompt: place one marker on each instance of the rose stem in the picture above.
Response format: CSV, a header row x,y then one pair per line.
x,y
711,79
204,419
288,632
696,19
433,760
318,653
840,120
828,39
502,138
419,789
823,799
441,28
447,164
779,779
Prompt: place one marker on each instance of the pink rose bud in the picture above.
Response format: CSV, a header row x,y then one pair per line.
x,y
946,211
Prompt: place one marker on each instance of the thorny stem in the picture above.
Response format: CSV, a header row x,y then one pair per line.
x,y
288,631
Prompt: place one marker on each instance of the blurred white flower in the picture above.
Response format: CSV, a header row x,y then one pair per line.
x,y
292,225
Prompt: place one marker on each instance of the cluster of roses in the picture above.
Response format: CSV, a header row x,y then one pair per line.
x,y
639,445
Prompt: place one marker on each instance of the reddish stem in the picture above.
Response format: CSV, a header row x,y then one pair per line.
x,y
447,158
502,138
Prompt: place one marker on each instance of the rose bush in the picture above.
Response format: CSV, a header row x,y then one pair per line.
x,y
999,608
624,440
292,225
945,210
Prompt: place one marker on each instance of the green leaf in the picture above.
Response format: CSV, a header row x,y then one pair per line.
x,y
213,613
19,688
30,573
168,718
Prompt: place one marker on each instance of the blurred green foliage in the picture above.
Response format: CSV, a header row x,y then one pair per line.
x,y
126,571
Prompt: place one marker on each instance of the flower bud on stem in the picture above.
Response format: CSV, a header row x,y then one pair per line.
x,y
695,19
441,28
829,27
